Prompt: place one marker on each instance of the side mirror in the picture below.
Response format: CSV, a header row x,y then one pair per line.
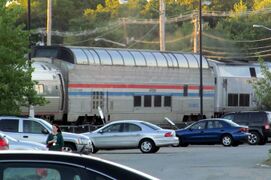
x,y
45,131
101,132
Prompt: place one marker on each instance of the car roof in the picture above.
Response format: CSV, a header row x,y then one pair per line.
x,y
105,166
126,121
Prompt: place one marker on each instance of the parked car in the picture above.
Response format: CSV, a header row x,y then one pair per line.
x,y
259,123
15,144
126,134
213,131
63,166
37,130
4,144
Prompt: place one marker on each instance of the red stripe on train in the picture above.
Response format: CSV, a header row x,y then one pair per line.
x,y
137,86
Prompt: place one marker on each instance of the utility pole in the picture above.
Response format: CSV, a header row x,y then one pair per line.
x,y
49,22
162,13
196,34
125,31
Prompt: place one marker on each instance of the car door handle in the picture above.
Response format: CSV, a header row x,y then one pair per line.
x,y
25,136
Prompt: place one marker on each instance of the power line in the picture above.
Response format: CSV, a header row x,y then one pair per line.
x,y
167,41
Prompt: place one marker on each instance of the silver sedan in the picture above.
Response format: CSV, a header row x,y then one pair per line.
x,y
15,144
126,134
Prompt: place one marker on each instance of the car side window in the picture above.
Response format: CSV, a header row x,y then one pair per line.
x,y
218,124
112,128
30,126
210,125
9,125
241,117
128,127
199,125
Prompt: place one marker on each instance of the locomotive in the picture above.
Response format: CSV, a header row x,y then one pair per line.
x,y
80,82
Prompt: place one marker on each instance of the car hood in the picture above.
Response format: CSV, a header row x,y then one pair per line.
x,y
73,135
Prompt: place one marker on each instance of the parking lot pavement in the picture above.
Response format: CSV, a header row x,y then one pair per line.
x,y
197,162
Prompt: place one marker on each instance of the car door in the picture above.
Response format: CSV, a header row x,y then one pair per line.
x,y
10,127
131,134
196,133
214,131
109,136
33,131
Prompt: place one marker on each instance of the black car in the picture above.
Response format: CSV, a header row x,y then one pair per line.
x,y
259,123
26,165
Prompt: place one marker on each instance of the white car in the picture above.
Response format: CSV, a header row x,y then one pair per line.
x,y
15,144
126,134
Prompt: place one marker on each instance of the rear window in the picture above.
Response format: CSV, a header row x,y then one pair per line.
x,y
232,124
152,126
9,125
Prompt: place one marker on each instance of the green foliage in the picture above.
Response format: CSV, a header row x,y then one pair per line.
x,y
16,86
262,86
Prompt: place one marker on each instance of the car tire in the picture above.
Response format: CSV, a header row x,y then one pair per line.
x,y
226,140
94,149
254,138
156,149
147,146
69,147
263,140
181,143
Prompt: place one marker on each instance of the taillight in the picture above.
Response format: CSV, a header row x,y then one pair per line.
x,y
243,129
168,134
266,126
3,144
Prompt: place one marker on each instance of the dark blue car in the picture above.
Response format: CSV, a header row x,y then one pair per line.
x,y
213,131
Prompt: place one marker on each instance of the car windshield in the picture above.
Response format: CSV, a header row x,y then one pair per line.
x,y
152,126
47,124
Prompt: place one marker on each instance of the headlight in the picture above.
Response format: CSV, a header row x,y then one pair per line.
x,y
83,141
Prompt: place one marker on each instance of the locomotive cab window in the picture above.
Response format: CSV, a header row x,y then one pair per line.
x,y
232,99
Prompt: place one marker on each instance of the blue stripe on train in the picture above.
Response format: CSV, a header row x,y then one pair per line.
x,y
206,94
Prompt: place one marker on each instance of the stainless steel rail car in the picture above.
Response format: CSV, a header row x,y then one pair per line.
x,y
51,86
130,84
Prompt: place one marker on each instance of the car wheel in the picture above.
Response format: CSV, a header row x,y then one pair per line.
x,y
69,147
181,143
226,140
263,140
253,138
156,149
147,146
94,149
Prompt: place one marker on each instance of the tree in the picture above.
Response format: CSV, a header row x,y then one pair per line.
x,y
262,86
16,86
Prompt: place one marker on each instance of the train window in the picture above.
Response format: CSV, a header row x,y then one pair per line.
x,y
39,88
252,72
185,90
181,61
128,58
89,56
232,99
157,101
116,57
167,101
104,57
161,60
139,58
150,59
147,101
137,101
192,61
244,100
80,56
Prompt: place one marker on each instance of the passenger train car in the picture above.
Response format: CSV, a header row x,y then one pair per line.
x,y
138,84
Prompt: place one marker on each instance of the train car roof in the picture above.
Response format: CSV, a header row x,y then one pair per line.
x,y
120,57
